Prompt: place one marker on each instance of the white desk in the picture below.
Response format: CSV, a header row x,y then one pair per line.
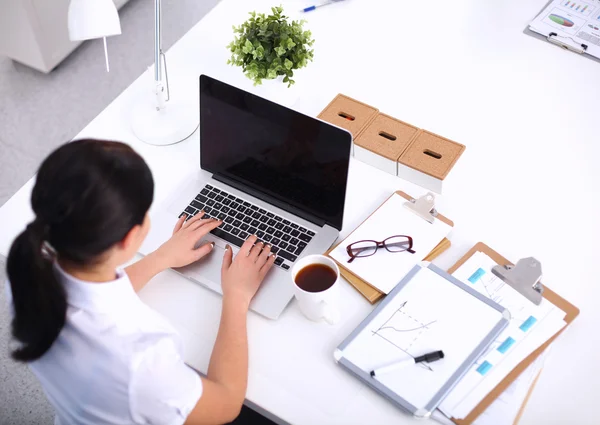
x,y
526,185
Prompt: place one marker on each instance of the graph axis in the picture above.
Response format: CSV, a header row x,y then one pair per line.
x,y
421,328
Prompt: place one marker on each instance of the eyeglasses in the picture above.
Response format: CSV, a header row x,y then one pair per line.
x,y
398,243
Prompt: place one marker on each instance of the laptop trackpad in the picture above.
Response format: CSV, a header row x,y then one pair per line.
x,y
207,270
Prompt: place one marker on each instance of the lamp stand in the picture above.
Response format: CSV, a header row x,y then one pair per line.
x,y
166,121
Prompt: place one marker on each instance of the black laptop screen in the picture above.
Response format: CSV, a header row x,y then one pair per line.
x,y
289,157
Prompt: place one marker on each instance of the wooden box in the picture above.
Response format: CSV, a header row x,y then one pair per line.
x,y
428,160
383,141
348,113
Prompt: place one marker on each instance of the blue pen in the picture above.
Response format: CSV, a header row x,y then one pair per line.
x,y
308,9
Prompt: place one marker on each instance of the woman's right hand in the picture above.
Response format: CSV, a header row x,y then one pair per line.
x,y
241,277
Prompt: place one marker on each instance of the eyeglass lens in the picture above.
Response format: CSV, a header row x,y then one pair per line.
x,y
397,243
364,248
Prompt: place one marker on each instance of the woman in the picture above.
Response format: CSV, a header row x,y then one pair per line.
x,y
101,355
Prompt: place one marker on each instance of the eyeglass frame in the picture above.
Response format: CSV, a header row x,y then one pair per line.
x,y
379,245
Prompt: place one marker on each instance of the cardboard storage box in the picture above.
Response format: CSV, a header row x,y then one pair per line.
x,y
398,148
348,113
428,160
382,142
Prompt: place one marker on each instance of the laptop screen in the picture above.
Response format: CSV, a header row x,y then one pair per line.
x,y
293,161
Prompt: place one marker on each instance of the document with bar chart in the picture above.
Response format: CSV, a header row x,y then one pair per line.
x,y
572,22
530,326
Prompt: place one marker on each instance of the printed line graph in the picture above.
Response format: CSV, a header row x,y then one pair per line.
x,y
487,282
493,288
402,330
487,290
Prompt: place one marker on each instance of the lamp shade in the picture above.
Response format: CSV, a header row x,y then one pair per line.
x,y
93,19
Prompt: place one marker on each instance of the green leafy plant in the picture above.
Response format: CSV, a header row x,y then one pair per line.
x,y
266,47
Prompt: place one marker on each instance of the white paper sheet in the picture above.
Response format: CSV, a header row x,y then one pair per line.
x,y
440,418
575,22
385,269
530,327
504,410
428,314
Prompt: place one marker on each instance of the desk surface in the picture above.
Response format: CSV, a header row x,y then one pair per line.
x,y
526,185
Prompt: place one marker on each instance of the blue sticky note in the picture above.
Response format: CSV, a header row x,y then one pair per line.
x,y
484,367
527,324
477,275
503,348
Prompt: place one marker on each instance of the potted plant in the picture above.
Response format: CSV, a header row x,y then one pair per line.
x,y
271,47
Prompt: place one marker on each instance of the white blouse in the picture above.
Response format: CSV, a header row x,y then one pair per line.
x,y
116,361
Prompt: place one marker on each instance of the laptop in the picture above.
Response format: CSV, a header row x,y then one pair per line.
x,y
265,170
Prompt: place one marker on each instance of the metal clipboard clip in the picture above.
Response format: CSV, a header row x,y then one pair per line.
x,y
552,38
524,277
424,207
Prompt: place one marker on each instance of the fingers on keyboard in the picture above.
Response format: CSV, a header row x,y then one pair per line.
x,y
241,219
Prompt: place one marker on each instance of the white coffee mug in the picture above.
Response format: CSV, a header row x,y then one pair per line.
x,y
318,305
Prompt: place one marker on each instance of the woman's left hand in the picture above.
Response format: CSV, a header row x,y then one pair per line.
x,y
180,250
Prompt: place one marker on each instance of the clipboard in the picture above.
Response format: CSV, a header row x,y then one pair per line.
x,y
399,392
563,42
571,313
369,292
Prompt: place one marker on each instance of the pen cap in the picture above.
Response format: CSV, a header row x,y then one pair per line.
x,y
430,357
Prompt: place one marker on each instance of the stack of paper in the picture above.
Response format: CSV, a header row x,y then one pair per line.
x,y
531,325
385,269
505,409
574,22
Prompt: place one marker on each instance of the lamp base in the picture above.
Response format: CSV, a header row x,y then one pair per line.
x,y
167,126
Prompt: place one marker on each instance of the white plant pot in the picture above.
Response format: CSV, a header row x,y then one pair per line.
x,y
274,90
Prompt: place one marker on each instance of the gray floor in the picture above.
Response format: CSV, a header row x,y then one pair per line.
x,y
39,112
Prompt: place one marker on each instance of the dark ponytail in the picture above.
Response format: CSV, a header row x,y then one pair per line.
x,y
39,300
88,195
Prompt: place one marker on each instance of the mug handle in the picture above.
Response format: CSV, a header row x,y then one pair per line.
x,y
330,313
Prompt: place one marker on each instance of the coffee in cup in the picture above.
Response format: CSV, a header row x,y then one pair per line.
x,y
316,287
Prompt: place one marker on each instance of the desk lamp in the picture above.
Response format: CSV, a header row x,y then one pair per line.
x,y
162,121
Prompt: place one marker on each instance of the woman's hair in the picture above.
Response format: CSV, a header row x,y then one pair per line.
x,y
87,196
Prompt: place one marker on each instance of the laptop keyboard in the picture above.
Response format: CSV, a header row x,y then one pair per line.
x,y
241,219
